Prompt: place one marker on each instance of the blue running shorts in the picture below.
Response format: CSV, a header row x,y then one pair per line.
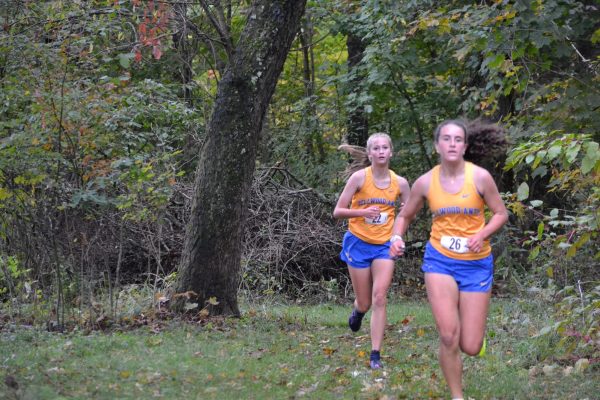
x,y
470,275
359,254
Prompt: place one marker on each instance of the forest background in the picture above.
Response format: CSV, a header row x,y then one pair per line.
x,y
104,111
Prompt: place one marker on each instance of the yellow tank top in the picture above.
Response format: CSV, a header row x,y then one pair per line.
x,y
456,217
379,230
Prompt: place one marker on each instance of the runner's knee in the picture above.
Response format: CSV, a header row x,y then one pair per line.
x,y
363,306
471,348
449,338
379,299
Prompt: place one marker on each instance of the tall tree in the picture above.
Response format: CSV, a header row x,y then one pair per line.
x,y
351,23
358,125
314,136
211,257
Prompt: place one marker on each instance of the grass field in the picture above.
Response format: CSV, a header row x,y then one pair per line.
x,y
285,352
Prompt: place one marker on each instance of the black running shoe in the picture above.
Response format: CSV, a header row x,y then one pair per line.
x,y
355,320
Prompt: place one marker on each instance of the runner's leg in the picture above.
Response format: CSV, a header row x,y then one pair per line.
x,y
473,308
443,296
362,285
382,271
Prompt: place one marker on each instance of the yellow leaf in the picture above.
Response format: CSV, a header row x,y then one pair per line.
x,y
203,313
362,354
328,351
125,374
420,332
550,272
213,301
571,252
444,26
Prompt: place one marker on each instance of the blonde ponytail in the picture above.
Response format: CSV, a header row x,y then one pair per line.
x,y
360,155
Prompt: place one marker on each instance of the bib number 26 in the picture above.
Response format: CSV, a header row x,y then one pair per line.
x,y
455,244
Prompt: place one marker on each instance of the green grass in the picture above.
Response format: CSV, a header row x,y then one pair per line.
x,y
281,352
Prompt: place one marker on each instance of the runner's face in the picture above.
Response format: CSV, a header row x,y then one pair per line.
x,y
451,143
380,151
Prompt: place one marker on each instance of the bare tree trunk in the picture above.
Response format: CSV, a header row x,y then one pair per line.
x,y
358,125
212,250
184,50
314,137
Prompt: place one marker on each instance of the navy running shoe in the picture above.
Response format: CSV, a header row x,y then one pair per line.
x,y
375,361
376,364
355,320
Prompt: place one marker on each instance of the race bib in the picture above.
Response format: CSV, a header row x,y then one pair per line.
x,y
379,220
456,244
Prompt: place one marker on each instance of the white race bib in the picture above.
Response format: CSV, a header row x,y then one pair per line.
x,y
456,244
379,220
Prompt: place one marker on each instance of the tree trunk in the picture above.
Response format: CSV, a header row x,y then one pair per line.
x,y
358,125
185,74
314,137
212,249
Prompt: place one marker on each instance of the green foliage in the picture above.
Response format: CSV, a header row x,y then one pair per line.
x,y
576,331
21,296
306,121
427,61
564,245
570,166
74,121
544,152
14,280
89,138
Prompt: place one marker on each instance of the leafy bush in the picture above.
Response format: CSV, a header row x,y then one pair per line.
x,y
576,334
569,165
563,248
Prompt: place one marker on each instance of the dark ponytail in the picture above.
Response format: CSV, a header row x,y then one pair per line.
x,y
486,141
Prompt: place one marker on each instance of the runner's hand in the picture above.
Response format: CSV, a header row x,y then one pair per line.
x,y
397,248
475,243
372,212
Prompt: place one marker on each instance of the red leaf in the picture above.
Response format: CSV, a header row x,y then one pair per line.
x,y
138,56
156,52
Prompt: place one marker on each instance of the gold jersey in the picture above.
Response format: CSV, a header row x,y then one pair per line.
x,y
375,230
456,217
